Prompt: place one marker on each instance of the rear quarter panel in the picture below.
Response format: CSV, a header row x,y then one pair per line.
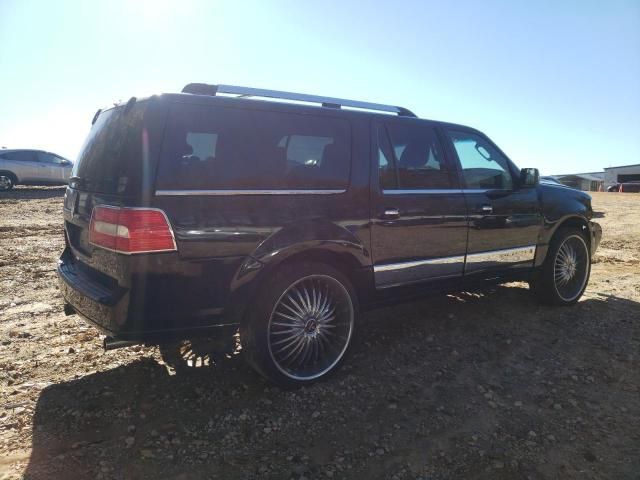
x,y
236,239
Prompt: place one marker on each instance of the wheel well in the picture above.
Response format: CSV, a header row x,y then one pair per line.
x,y
10,174
343,262
575,223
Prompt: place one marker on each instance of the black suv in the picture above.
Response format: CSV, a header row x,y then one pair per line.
x,y
193,216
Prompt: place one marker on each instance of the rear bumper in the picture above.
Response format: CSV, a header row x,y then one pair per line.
x,y
97,303
596,236
107,306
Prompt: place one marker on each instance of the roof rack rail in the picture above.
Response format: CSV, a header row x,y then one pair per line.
x,y
213,90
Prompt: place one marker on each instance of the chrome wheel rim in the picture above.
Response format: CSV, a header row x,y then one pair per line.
x,y
571,268
310,327
5,182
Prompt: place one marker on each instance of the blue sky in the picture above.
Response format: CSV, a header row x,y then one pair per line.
x,y
556,84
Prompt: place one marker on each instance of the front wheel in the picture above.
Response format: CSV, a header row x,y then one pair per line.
x,y
565,272
6,183
302,325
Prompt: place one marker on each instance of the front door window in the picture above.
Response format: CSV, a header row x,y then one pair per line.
x,y
483,166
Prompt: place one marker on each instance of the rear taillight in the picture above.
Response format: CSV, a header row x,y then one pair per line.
x,y
131,230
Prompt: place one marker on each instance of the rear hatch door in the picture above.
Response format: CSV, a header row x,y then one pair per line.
x,y
109,171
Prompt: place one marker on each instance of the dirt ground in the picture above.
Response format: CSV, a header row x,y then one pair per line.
x,y
485,385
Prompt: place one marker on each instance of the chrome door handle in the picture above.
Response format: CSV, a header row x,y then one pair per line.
x,y
391,213
486,209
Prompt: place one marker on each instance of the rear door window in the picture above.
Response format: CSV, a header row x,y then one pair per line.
x,y
225,148
410,158
23,156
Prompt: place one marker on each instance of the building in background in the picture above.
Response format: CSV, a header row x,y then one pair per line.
x,y
589,182
626,173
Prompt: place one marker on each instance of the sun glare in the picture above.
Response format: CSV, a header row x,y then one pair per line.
x,y
156,13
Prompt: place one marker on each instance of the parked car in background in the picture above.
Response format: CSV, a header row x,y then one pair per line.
x,y
550,180
32,167
625,187
285,220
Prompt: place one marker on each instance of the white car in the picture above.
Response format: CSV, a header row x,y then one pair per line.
x,y
32,167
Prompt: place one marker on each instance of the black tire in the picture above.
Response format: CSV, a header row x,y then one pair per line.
x,y
7,181
562,278
302,324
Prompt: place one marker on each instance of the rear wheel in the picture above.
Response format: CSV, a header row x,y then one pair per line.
x,y
302,325
565,272
6,182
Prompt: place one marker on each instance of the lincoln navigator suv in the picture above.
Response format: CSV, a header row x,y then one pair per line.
x,y
267,221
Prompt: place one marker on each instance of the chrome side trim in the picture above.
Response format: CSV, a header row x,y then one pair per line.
x,y
401,266
422,191
500,258
443,191
407,272
174,193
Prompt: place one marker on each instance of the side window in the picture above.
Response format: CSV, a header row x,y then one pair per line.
x,y
203,147
223,148
418,158
483,166
23,156
50,158
386,163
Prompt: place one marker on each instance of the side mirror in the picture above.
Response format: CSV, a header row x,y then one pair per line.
x,y
529,177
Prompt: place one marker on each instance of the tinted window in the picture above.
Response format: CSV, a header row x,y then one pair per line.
x,y
23,156
483,166
386,162
417,156
110,160
222,148
50,158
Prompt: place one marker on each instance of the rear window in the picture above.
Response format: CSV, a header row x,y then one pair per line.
x,y
110,159
224,148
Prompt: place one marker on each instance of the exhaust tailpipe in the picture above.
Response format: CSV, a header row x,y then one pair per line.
x,y
111,343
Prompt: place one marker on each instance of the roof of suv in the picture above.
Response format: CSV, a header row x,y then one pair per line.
x,y
259,99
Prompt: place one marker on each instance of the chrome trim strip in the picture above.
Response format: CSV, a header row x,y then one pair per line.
x,y
393,274
173,193
495,258
443,191
403,265
403,273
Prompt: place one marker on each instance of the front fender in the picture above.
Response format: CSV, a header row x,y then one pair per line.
x,y
563,206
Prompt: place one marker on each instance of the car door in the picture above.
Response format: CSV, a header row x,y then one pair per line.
x,y
52,167
504,220
418,212
24,163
